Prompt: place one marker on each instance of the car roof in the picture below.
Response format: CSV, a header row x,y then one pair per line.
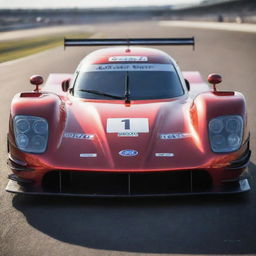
x,y
127,55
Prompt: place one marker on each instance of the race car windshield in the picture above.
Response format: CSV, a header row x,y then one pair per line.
x,y
146,81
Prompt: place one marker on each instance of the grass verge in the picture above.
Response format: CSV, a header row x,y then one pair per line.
x,y
10,50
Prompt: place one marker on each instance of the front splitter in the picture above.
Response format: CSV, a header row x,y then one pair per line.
x,y
241,187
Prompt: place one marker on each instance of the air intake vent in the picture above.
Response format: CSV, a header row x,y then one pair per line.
x,y
126,184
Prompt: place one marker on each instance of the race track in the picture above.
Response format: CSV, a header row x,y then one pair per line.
x,y
208,225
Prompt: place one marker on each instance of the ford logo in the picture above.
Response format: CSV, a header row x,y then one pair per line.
x,y
128,152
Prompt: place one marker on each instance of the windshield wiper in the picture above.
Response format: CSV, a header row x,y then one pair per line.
x,y
101,93
127,89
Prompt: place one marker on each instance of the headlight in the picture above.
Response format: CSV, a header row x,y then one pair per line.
x,y
225,133
31,133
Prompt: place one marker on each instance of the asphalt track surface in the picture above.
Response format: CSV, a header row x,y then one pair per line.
x,y
203,225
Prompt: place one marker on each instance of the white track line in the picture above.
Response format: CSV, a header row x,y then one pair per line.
x,y
249,28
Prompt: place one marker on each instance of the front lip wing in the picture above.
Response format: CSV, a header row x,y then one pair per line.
x,y
240,187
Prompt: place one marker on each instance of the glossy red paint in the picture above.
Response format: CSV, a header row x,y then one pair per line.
x,y
188,114
102,56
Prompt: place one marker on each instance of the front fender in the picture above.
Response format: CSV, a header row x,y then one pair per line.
x,y
45,105
209,105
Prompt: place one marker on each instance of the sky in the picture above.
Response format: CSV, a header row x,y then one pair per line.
x,y
87,3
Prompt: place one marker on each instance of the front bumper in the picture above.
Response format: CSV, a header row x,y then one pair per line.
x,y
125,184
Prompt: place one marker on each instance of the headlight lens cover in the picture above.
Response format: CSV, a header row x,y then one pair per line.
x,y
225,133
31,133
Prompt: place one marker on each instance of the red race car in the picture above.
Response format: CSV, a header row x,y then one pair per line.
x,y
129,123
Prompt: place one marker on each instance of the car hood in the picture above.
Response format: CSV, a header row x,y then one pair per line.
x,y
159,136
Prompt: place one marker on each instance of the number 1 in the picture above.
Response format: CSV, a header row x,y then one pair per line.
x,y
126,124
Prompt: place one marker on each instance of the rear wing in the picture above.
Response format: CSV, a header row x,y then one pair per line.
x,y
130,41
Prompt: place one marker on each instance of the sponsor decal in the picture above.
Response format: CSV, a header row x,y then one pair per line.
x,y
88,155
127,125
128,152
127,134
128,67
127,58
81,136
164,154
174,136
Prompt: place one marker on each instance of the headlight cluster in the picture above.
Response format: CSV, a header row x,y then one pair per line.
x,y
31,133
226,133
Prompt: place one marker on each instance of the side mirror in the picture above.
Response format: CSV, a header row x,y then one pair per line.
x,y
214,79
36,80
187,84
65,85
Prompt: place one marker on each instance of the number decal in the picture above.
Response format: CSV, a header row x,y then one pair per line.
x,y
126,124
133,125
